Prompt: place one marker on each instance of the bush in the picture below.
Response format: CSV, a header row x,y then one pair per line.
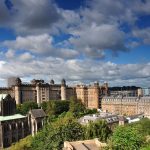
x,y
126,138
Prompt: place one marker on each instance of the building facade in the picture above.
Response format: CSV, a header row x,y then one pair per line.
x,y
144,91
126,105
14,127
39,91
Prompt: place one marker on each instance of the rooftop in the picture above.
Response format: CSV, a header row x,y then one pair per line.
x,y
84,145
37,113
12,117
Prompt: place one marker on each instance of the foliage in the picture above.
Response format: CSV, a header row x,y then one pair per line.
x,y
54,134
76,107
55,107
98,129
126,138
143,126
26,106
146,147
23,144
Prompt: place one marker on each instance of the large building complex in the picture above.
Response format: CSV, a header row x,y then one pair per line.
x,y
128,100
39,91
126,105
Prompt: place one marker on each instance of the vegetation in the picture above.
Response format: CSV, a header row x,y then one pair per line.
x,y
23,144
126,138
55,107
54,134
98,129
62,125
25,107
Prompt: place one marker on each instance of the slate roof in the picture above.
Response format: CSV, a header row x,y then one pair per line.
x,y
37,113
12,117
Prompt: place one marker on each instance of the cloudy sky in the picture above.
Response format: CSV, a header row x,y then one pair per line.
x,y
80,40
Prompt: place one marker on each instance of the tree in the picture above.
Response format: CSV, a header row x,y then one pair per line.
x,y
98,129
126,138
53,135
23,144
55,107
143,126
76,107
26,106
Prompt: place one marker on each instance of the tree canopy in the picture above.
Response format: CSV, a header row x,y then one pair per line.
x,y
126,138
26,106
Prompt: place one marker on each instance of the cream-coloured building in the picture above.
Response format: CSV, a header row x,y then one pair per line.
x,y
126,105
39,91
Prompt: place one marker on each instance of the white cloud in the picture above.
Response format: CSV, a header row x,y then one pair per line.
x,y
41,45
38,44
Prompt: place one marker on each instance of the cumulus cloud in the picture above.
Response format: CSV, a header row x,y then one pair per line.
x,y
92,30
143,35
29,16
99,38
78,71
41,45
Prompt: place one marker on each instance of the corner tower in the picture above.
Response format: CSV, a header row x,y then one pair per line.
x,y
18,90
63,90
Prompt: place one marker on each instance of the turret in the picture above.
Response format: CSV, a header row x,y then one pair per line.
x,y
18,90
38,94
63,90
52,82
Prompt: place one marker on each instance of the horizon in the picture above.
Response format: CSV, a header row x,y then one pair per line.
x,y
82,41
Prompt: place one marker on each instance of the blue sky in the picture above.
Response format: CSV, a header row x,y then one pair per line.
x,y
80,40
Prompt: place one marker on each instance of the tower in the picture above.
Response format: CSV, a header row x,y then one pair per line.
x,y
38,94
18,90
63,90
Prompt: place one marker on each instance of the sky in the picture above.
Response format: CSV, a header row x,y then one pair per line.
x,y
82,41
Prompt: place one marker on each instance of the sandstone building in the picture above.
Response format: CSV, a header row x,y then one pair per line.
x,y
126,105
39,91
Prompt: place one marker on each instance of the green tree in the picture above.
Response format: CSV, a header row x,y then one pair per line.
x,y
26,106
98,129
143,126
23,144
76,107
53,135
126,138
55,107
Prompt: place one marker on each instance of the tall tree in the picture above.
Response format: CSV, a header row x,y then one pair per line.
x,y
53,135
126,138
98,129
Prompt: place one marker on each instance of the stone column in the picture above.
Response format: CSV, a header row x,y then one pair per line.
x,y
38,94
17,94
63,92
22,123
16,132
10,133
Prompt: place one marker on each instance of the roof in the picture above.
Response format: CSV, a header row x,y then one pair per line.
x,y
37,113
2,96
12,117
85,145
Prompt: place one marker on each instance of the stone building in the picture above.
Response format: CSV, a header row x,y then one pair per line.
x,y
90,95
126,91
14,127
40,91
36,117
126,105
